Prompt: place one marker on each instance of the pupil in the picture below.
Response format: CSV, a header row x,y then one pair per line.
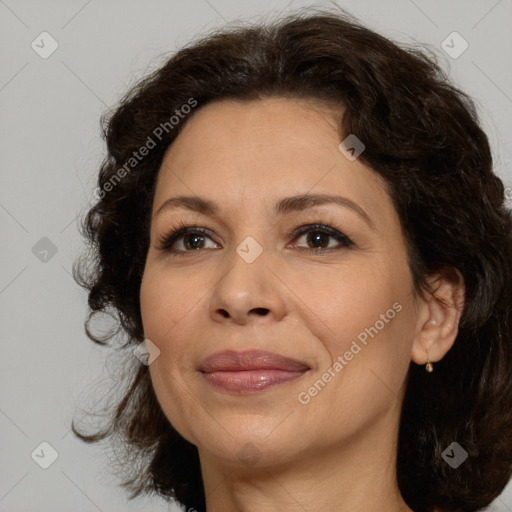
x,y
197,240
318,237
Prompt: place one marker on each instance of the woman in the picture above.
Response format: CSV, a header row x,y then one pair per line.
x,y
299,223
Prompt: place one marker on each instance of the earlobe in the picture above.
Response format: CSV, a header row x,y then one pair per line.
x,y
439,317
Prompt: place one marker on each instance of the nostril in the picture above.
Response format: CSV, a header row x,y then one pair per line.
x,y
260,311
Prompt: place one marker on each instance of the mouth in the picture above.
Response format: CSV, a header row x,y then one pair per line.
x,y
250,371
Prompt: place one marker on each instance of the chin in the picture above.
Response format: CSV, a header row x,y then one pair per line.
x,y
259,450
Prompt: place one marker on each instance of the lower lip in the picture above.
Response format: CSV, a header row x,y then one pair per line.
x,y
250,380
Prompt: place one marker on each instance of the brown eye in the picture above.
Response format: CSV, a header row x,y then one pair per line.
x,y
318,236
191,238
193,241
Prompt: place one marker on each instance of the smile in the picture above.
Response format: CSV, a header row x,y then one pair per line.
x,y
250,371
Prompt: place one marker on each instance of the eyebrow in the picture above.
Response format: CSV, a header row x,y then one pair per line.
x,y
282,207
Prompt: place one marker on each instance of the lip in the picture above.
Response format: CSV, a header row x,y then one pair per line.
x,y
250,371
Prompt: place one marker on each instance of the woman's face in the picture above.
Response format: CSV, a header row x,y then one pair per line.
x,y
336,299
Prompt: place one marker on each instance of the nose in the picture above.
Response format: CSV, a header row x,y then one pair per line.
x,y
248,292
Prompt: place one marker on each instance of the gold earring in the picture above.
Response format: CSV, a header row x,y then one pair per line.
x,y
429,367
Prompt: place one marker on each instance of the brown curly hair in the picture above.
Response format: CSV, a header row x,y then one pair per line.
x,y
422,135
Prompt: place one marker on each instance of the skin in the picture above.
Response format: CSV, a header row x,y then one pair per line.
x,y
338,451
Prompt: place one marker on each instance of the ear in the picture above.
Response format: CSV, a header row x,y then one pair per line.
x,y
439,316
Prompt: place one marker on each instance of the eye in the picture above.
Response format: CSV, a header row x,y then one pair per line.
x,y
318,236
191,239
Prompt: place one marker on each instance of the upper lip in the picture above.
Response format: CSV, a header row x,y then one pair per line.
x,y
231,360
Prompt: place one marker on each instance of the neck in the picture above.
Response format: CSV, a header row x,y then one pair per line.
x,y
358,476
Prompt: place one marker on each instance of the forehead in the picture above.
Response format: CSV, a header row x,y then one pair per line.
x,y
238,126
264,149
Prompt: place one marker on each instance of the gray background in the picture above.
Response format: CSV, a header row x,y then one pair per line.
x,y
50,151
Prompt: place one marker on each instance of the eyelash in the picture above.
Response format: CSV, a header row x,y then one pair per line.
x,y
166,241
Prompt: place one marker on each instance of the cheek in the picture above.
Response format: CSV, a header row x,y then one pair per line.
x,y
167,309
165,303
367,366
342,304
366,317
